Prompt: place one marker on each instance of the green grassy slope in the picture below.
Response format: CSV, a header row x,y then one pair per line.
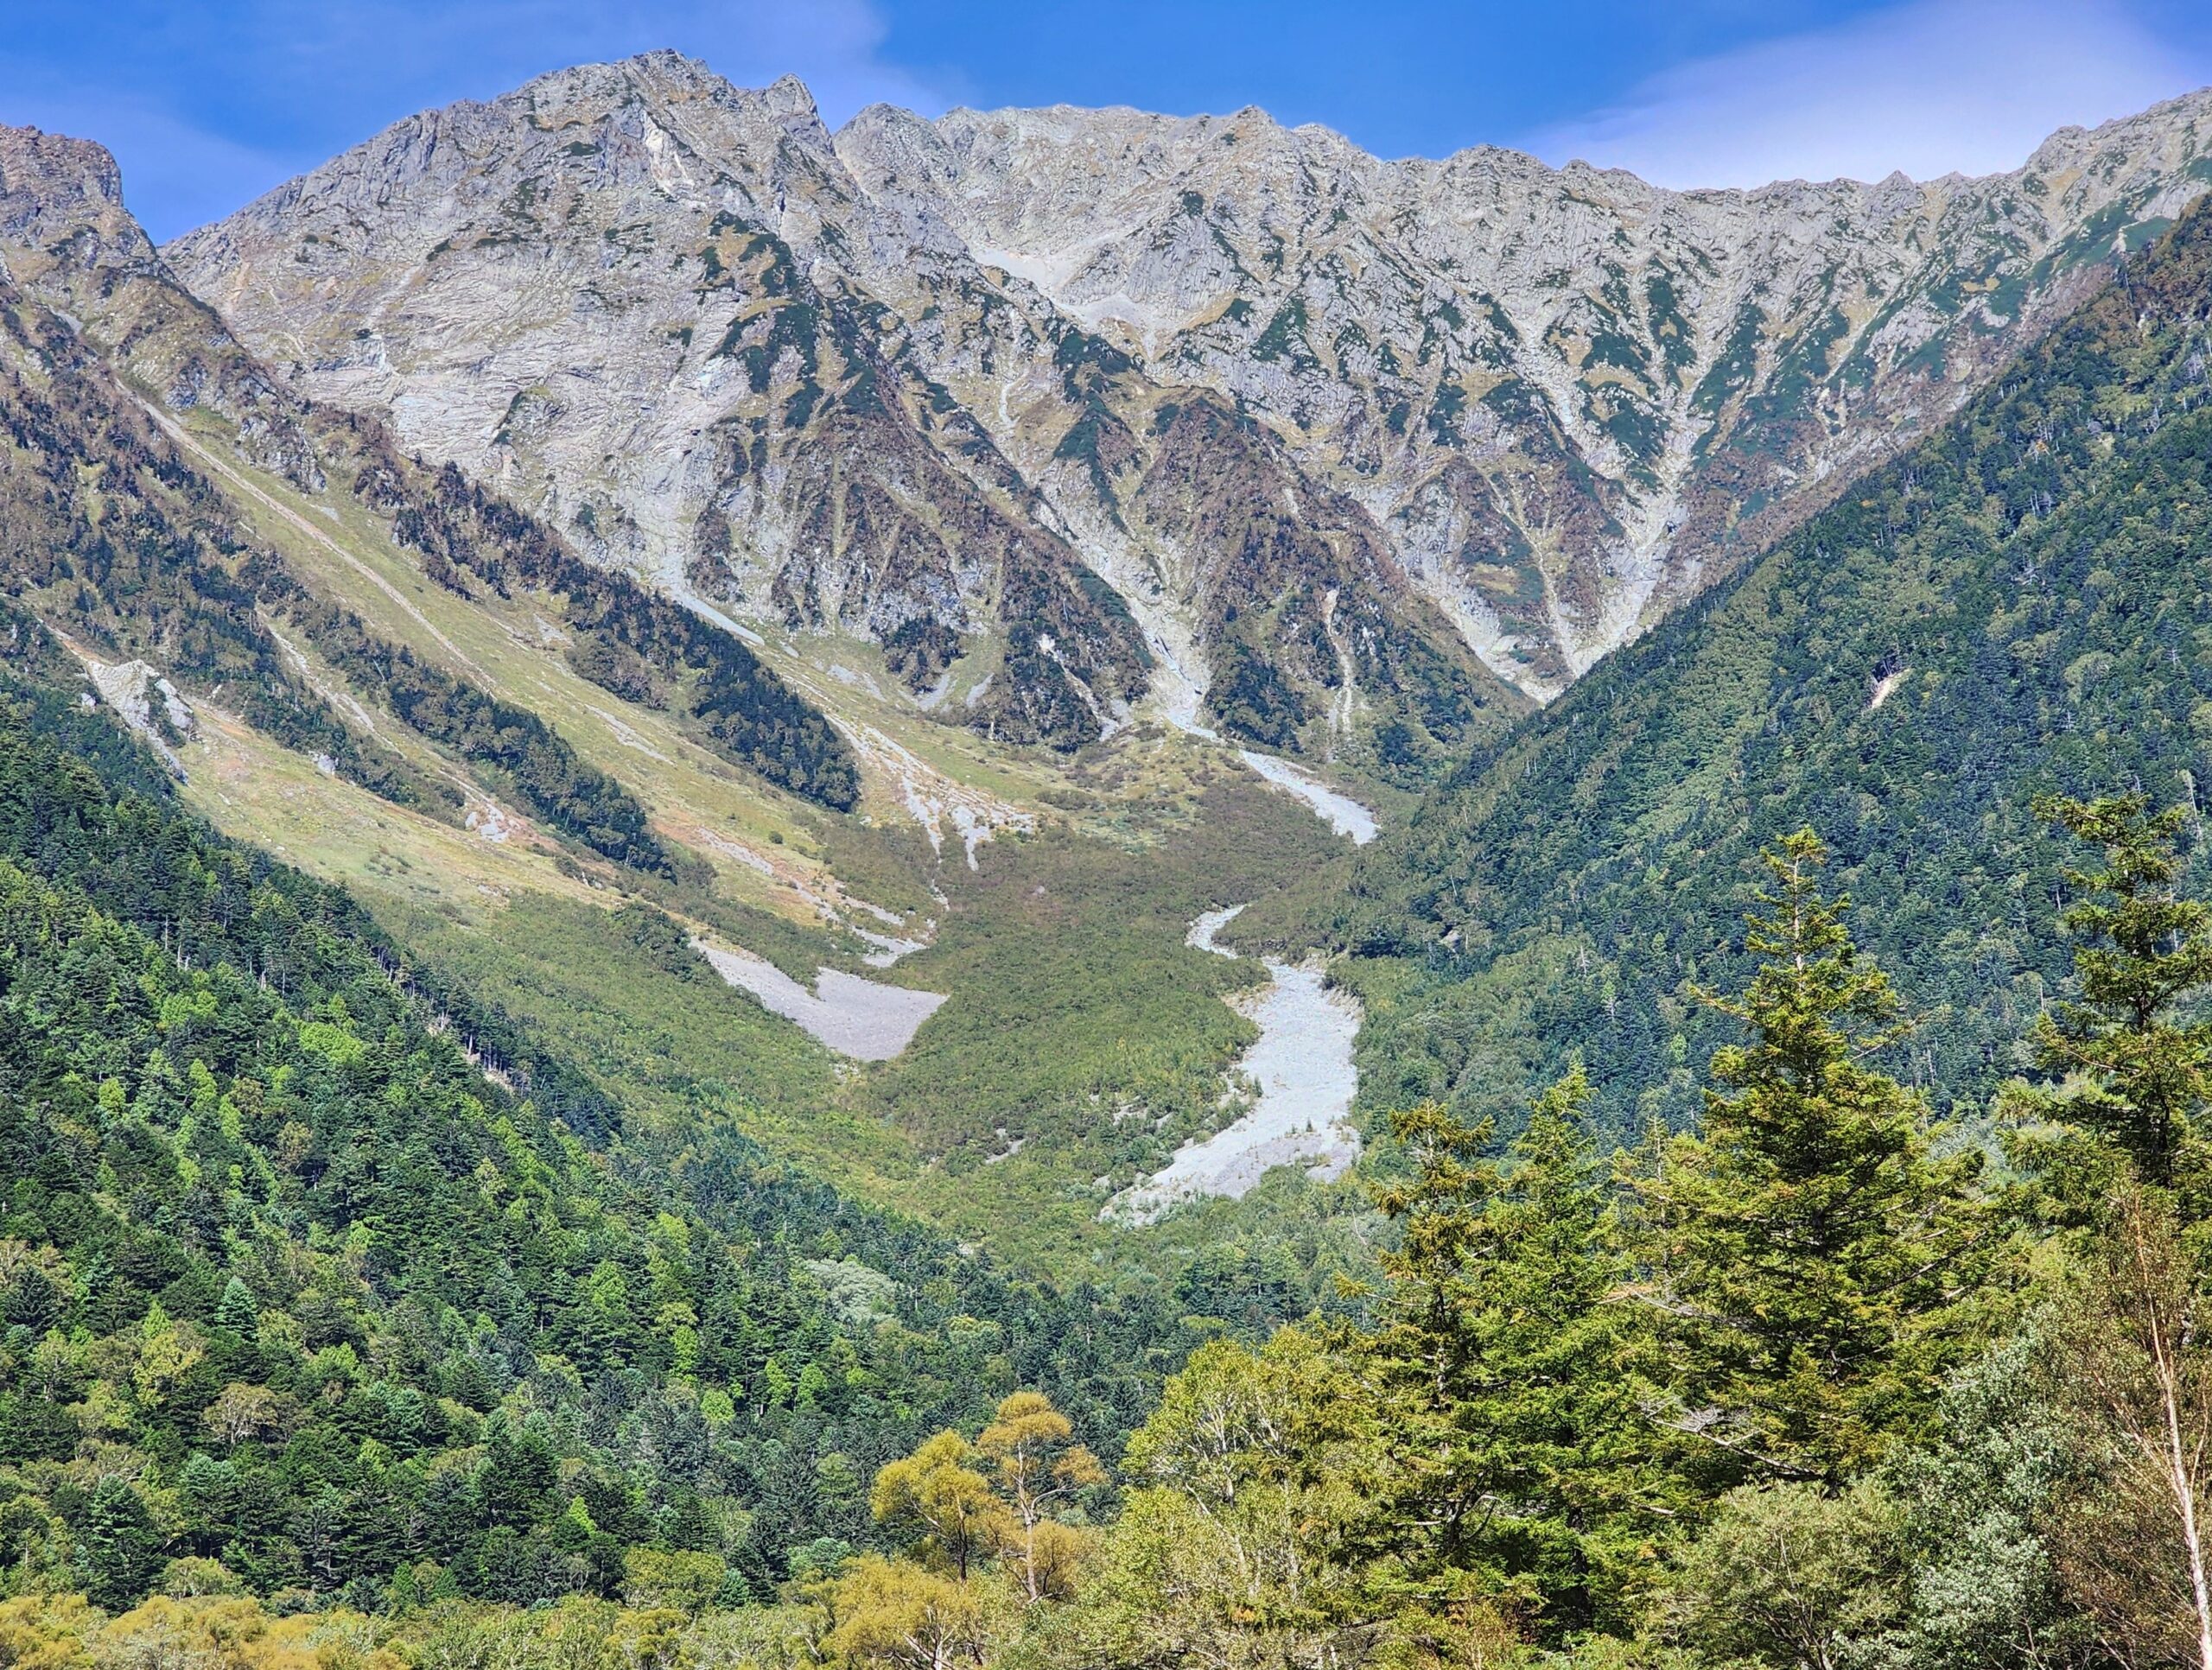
x,y
1071,999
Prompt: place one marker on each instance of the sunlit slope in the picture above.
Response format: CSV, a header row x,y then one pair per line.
x,y
2019,605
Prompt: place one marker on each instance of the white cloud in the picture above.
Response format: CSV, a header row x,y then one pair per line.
x,y
1927,87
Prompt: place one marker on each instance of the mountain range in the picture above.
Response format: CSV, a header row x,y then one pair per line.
x,y
631,488
1064,410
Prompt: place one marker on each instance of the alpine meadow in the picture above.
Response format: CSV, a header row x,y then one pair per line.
x,y
1054,889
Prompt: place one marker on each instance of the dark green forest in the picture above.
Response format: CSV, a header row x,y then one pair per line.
x,y
334,1313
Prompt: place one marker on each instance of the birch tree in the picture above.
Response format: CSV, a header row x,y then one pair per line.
x,y
2134,1364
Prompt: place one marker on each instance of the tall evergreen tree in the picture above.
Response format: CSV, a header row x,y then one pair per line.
x,y
236,1313
1520,1450
118,1545
1808,1257
1425,1355
2145,1072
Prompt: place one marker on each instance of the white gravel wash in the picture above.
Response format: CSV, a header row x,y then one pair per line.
x,y
855,1017
1339,811
1302,1065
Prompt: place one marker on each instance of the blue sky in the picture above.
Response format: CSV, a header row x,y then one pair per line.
x,y
207,103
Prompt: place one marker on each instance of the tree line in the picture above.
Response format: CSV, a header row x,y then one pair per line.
x,y
1825,1381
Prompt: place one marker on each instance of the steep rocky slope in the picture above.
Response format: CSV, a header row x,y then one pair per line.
x,y
66,240
664,311
931,383
2016,607
108,359
1572,399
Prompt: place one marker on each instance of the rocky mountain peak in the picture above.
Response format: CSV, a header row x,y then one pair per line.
x,y
663,80
1529,408
663,73
67,239
61,208
788,95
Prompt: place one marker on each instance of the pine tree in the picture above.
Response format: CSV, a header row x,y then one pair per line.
x,y
2143,949
1565,1356
1805,1253
237,1314
1424,1354
1520,1446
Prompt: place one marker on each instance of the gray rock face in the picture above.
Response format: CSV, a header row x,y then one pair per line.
x,y
1064,407
61,209
1572,398
607,297
662,311
66,240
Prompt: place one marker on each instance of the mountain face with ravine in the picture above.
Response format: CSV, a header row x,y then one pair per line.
x,y
1570,399
654,306
1064,409
633,825
628,490
2015,608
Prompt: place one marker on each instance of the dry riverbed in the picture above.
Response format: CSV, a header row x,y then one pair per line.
x,y
855,1017
1302,1069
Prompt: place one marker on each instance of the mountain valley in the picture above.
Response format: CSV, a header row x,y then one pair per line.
x,y
765,892
630,495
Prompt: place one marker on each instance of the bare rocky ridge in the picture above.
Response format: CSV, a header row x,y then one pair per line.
x,y
1571,398
605,296
62,210
662,311
1061,408
66,240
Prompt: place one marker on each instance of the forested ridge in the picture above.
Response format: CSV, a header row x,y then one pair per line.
x,y
322,1339
2016,607
630,639
138,554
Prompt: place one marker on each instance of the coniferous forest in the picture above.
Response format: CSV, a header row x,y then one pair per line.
x,y
1780,1237
338,1321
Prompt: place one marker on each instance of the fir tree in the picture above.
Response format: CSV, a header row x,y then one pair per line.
x,y
1425,1354
118,1545
2145,1074
1806,1255
1521,1450
236,1313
